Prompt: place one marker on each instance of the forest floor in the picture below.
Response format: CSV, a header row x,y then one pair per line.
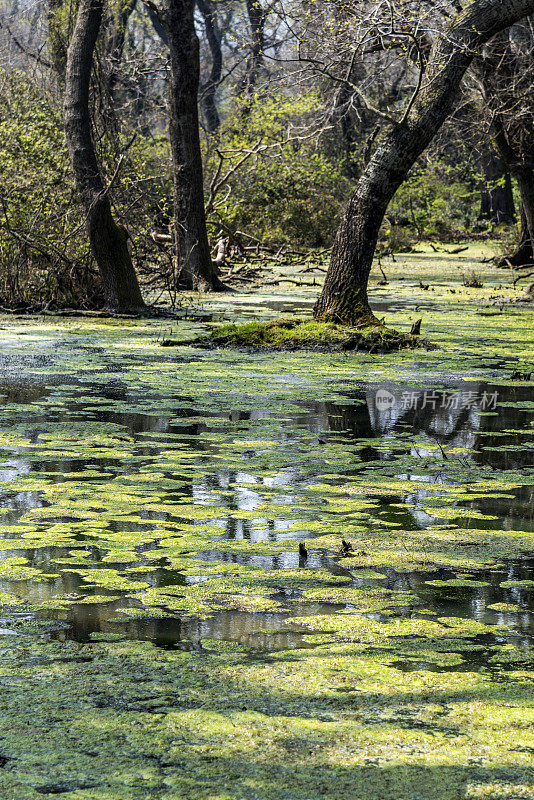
x,y
162,636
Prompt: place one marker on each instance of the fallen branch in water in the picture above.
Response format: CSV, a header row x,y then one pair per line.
x,y
284,279
521,277
457,250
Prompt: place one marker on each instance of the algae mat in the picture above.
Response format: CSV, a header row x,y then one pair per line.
x,y
130,720
160,495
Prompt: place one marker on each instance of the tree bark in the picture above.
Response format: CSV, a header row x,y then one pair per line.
x,y
56,41
496,193
116,41
108,240
503,71
195,267
157,24
209,88
517,150
525,181
523,255
344,297
256,17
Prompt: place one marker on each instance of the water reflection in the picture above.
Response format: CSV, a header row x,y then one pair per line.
x,y
266,631
428,442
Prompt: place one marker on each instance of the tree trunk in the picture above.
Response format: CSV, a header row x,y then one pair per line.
x,y
56,41
195,268
157,24
209,89
519,158
502,69
108,240
116,41
523,255
344,297
496,194
256,17
524,176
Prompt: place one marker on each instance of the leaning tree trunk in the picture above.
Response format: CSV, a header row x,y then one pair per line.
x,y
108,240
195,267
344,297
157,24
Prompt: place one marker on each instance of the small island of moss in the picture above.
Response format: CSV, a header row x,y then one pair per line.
x,y
304,334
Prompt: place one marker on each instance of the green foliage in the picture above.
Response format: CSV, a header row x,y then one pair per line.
x,y
286,189
142,197
438,200
285,185
42,250
267,173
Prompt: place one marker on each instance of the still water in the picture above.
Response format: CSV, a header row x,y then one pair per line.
x,y
129,496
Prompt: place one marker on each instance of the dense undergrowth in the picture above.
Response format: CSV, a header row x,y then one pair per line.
x,y
262,185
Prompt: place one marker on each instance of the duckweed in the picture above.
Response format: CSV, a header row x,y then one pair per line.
x,y
161,494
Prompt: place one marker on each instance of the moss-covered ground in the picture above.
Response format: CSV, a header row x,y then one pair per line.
x,y
304,334
163,639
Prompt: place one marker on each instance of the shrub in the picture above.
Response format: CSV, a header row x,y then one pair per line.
x,y
43,250
438,200
287,190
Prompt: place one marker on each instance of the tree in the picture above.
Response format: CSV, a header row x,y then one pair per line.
x,y
208,90
520,160
109,241
506,70
56,41
344,295
195,267
115,41
496,191
257,17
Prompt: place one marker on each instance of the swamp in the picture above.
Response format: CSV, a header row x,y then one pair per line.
x,y
266,399
162,638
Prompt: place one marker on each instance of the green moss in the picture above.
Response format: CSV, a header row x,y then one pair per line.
x,y
7,599
330,722
517,584
17,569
458,583
301,334
353,627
